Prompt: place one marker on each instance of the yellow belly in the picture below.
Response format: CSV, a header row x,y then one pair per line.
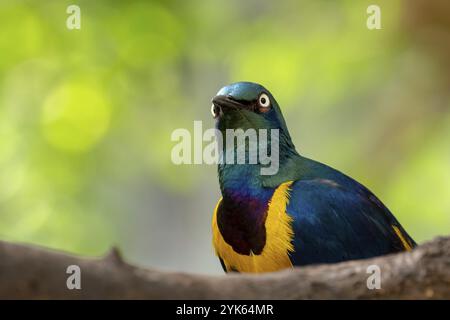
x,y
279,235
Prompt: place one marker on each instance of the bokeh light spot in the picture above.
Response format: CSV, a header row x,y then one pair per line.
x,y
75,117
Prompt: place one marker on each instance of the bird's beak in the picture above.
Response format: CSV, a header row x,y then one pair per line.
x,y
226,102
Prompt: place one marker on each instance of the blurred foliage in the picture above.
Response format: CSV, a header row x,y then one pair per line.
x,y
86,115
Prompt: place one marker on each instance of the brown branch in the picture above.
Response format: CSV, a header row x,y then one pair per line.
x,y
28,272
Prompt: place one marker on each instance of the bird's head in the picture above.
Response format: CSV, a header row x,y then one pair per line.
x,y
246,105
251,107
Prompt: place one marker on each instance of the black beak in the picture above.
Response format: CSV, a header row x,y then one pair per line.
x,y
227,102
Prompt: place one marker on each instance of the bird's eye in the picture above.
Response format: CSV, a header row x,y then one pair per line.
x,y
215,110
264,100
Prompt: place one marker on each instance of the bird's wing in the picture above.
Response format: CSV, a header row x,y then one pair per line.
x,y
334,222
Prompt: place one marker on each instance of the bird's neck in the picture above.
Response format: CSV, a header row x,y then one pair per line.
x,y
240,181
247,178
243,195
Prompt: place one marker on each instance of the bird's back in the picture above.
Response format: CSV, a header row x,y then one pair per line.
x,y
335,218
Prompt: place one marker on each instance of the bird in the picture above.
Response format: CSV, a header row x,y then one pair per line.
x,y
306,213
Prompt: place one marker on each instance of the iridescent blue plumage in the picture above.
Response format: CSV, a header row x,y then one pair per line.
x,y
335,219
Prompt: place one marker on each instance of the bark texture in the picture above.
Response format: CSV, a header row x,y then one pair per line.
x,y
29,272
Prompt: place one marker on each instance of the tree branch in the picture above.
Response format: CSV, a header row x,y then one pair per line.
x,y
29,272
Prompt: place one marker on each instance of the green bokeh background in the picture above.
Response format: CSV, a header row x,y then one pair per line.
x,y
86,115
